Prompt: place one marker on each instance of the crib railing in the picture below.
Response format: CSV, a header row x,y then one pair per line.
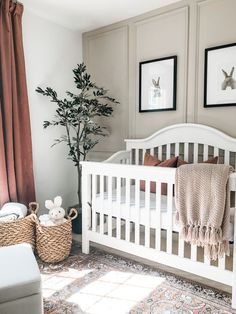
x,y
121,157
192,142
115,215
103,180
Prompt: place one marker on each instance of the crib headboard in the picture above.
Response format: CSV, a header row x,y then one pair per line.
x,y
192,142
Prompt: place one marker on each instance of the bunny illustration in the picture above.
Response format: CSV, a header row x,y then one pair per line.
x,y
229,81
157,91
56,212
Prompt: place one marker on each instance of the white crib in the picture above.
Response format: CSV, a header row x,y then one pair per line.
x,y
118,215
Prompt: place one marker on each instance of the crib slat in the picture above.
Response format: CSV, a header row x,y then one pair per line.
x,y
207,261
221,262
101,204
226,161
170,216
114,181
195,153
168,151
136,156
143,154
216,151
147,213
158,216
109,182
127,211
94,192
186,152
137,211
160,152
181,248
205,152
176,149
118,204
194,253
152,151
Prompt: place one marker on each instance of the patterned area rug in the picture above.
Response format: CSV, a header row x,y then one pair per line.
x,y
103,283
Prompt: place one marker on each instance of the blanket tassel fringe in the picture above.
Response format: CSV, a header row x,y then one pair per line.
x,y
211,239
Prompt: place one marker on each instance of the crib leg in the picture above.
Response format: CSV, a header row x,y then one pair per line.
x,y
234,298
86,209
234,267
234,280
85,244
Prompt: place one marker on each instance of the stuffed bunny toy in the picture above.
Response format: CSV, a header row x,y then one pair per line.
x,y
56,213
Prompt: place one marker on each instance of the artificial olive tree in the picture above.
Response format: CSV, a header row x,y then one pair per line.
x,y
78,114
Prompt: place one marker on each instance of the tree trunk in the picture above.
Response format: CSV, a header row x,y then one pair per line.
x,y
79,186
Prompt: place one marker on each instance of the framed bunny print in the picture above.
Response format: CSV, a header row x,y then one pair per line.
x,y
220,76
157,84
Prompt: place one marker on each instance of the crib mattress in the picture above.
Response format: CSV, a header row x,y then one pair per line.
x,y
131,212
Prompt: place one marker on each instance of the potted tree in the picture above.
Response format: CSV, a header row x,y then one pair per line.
x,y
78,114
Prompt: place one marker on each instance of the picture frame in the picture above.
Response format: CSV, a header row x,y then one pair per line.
x,y
157,84
220,76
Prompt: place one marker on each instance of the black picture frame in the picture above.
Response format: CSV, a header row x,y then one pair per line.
x,y
219,59
149,94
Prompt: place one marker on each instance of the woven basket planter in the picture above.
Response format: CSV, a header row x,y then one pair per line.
x,y
53,243
20,230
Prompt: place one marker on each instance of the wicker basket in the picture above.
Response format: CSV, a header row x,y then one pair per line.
x,y
53,243
20,230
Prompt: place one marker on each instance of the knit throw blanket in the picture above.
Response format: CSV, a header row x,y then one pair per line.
x,y
202,199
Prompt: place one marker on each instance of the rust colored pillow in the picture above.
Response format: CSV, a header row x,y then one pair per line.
x,y
172,162
181,162
150,160
212,160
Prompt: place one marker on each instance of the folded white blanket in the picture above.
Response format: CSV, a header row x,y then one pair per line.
x,y
10,217
14,208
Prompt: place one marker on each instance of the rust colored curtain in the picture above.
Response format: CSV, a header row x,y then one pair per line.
x,y
16,166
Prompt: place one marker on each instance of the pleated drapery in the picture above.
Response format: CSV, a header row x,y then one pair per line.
x,y
16,165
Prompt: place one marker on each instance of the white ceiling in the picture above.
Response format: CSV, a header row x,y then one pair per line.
x,y
84,15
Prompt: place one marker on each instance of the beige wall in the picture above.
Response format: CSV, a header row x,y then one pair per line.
x,y
107,61
185,28
46,45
